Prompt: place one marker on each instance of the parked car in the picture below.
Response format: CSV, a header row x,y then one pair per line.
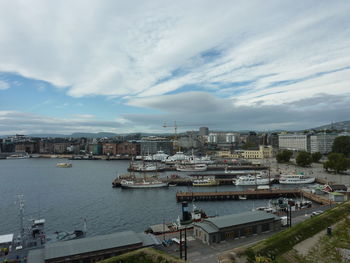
x,y
315,213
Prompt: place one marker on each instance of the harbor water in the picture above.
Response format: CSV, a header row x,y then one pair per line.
x,y
66,197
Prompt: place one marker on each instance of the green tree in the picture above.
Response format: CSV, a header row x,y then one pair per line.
x,y
341,144
316,157
284,156
303,158
337,162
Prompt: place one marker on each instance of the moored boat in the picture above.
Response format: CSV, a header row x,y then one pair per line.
x,y
296,179
64,165
142,184
251,180
204,182
199,167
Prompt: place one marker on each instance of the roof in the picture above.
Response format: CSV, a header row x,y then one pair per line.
x,y
338,187
85,245
335,193
241,218
36,256
207,227
160,228
6,238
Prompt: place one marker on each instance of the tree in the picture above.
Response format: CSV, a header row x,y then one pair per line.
x,y
284,156
303,158
337,162
341,144
316,157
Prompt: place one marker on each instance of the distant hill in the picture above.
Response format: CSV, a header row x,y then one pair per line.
x,y
342,125
76,135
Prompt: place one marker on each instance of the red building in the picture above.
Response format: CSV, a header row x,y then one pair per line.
x,y
109,148
128,148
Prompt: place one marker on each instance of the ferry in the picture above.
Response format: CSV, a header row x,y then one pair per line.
x,y
296,179
204,182
251,180
64,165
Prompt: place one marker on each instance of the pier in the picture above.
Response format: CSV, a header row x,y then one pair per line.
x,y
249,194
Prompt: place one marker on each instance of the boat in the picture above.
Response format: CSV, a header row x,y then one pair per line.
x,y
64,165
251,180
159,156
199,167
145,167
142,184
204,182
296,179
18,156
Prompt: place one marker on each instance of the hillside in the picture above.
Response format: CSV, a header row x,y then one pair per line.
x,y
342,125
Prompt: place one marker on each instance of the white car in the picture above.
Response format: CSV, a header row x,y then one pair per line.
x,y
315,213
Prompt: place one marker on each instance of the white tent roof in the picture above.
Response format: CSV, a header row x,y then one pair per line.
x,y
6,239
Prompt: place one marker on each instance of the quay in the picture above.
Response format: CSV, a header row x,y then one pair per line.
x,y
249,194
217,167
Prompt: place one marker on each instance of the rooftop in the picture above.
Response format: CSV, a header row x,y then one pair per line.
x,y
6,238
240,219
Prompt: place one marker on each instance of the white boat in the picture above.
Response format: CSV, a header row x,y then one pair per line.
x,y
199,167
177,157
146,167
204,182
159,156
296,179
18,156
142,184
251,180
204,159
64,165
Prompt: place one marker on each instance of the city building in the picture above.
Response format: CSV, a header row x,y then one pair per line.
x,y
153,145
95,148
322,142
263,152
92,249
109,148
128,148
203,131
229,227
28,147
294,142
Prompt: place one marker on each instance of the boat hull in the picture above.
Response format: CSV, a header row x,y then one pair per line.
x,y
301,181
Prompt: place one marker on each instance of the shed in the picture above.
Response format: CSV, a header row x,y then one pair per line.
x,y
337,197
6,240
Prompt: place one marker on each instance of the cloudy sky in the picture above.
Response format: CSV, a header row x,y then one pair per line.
x,y
128,66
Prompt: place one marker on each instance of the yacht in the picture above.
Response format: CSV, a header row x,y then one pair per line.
x,y
177,157
251,180
296,179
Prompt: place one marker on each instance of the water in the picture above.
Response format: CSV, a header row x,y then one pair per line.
x,y
67,196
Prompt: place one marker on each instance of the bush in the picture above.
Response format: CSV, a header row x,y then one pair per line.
x,y
303,159
284,156
316,157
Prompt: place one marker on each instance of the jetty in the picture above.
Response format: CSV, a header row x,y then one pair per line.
x,y
249,194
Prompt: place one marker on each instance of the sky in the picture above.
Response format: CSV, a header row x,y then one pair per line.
x,y
129,66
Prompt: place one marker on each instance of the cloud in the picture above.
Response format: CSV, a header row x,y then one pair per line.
x,y
141,49
4,85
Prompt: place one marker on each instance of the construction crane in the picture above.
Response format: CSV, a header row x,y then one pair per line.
x,y
175,130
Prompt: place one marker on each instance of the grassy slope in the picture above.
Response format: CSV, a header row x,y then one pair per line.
x,y
285,240
145,255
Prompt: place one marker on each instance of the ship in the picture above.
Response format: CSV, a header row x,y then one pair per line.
x,y
205,182
144,184
296,179
64,165
251,180
199,167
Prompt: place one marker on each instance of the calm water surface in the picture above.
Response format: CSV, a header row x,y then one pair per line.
x,y
65,196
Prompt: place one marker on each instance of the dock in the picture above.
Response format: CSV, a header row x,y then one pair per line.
x,y
249,194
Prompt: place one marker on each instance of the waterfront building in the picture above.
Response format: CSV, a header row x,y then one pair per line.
x,y
95,148
152,146
229,227
322,142
262,153
45,147
60,147
109,148
128,148
92,249
28,147
294,142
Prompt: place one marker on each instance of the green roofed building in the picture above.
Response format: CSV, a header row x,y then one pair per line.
x,y
92,249
217,229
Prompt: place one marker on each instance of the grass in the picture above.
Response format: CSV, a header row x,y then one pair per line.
x,y
283,241
145,255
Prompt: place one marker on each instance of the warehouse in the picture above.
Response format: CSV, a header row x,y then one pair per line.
x,y
217,229
92,249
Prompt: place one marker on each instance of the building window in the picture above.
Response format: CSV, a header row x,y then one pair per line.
x,y
265,227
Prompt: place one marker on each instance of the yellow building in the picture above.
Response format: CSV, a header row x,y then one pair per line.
x,y
263,152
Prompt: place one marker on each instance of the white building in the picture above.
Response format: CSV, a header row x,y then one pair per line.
x,y
322,142
230,137
212,138
294,142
